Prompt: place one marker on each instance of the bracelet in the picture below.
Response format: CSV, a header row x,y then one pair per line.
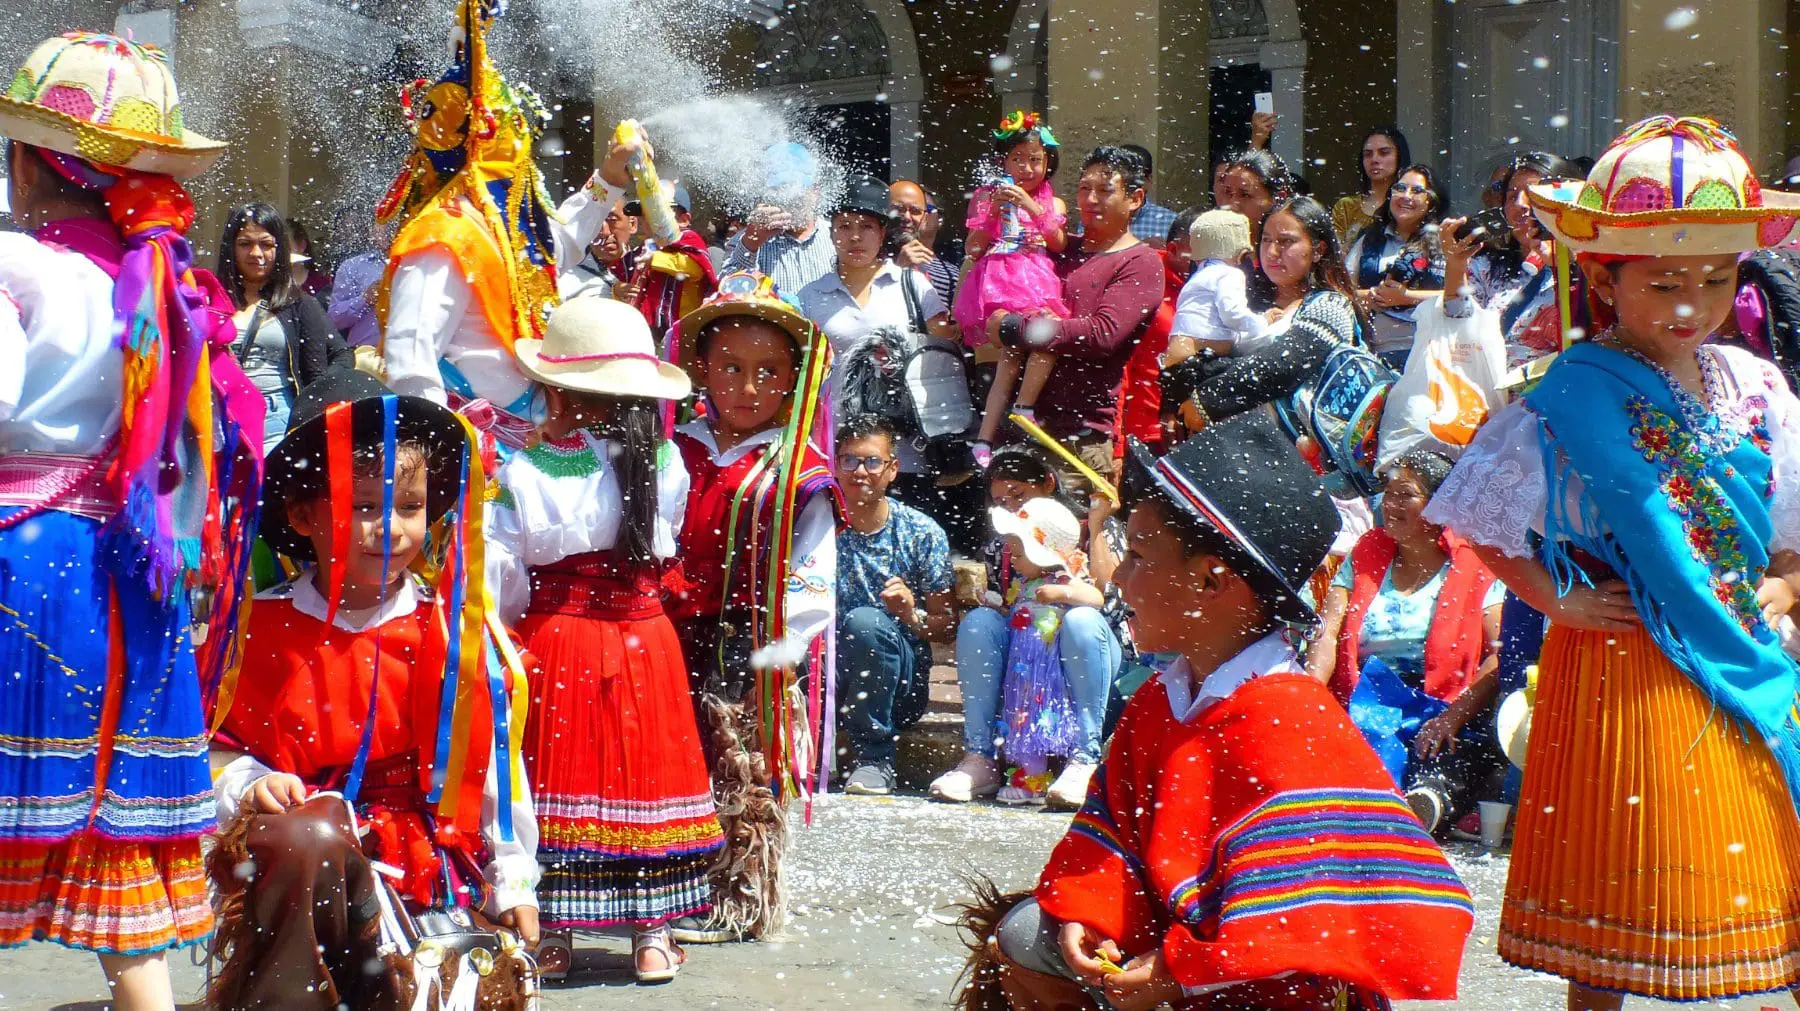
x,y
922,617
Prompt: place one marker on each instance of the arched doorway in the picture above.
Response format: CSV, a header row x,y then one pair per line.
x,y
852,68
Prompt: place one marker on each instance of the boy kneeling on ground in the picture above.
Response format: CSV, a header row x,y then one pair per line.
x,y
1241,845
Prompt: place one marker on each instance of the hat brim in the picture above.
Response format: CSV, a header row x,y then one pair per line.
x,y
416,420
1007,523
29,123
618,377
798,327
1284,601
1686,231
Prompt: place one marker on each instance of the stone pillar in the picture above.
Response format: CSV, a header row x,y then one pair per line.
x,y
1421,102
1718,58
1286,63
1105,75
1183,126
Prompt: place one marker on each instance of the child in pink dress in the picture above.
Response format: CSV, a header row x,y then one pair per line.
x,y
1015,223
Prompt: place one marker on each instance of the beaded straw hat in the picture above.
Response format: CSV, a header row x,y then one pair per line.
x,y
109,100
1667,187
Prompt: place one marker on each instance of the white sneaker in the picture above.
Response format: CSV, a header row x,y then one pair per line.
x,y
1070,790
974,776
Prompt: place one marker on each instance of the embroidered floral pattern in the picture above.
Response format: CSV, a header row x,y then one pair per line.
x,y
1713,534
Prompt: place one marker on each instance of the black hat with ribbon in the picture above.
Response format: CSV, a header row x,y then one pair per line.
x,y
1244,486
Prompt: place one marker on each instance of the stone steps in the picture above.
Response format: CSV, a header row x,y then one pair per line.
x,y
930,747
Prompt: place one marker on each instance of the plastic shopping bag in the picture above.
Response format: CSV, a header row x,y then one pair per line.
x,y
1451,385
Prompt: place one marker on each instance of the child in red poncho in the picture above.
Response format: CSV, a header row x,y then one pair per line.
x,y
1241,845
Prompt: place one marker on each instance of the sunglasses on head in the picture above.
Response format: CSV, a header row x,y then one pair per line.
x,y
852,464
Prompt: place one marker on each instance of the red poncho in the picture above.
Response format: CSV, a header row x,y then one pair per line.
x,y
1264,837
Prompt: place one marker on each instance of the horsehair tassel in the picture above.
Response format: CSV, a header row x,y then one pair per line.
x,y
339,464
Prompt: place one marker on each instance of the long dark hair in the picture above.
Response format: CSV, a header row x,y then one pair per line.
x,y
637,424
1267,167
1426,238
1402,154
1328,273
278,290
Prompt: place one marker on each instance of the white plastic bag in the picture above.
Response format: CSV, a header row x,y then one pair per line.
x,y
1451,385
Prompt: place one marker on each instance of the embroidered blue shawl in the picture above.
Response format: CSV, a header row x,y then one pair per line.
x,y
1687,529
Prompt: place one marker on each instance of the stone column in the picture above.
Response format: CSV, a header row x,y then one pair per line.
x,y
1718,58
1286,63
1105,75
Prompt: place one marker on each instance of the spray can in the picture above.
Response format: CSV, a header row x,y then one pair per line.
x,y
1012,225
658,213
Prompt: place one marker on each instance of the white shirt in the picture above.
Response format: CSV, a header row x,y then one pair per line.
x,y
512,873
1272,654
61,370
812,568
432,313
829,304
1214,305
540,518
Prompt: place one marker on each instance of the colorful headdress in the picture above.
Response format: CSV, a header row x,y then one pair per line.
x,y
1667,187
1019,122
479,700
474,133
107,100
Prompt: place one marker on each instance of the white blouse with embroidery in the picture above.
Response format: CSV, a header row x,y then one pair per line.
x,y
562,498
1498,493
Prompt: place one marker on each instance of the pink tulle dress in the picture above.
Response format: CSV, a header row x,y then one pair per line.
x,y
1016,273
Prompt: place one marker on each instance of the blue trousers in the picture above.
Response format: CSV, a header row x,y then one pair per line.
x,y
1090,659
883,683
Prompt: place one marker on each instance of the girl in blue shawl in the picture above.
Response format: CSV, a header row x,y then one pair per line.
x,y
1646,496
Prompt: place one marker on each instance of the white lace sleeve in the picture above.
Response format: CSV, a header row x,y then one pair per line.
x,y
1755,377
1496,494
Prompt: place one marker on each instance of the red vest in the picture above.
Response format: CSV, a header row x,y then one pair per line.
x,y
706,543
1453,648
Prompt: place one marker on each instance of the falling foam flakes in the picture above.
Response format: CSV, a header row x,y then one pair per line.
x,y
1681,19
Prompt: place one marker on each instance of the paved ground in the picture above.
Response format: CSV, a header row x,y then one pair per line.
x,y
871,881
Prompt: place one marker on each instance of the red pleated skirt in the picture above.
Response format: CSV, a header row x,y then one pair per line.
x,y
626,821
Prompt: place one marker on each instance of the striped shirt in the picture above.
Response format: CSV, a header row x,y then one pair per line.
x,y
791,262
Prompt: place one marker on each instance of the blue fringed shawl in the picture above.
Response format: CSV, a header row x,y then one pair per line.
x,y
1686,527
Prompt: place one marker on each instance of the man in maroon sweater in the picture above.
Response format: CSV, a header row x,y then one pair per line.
x,y
1112,284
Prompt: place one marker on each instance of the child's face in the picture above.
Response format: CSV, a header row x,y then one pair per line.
x,y
1025,567
749,372
1012,495
364,554
1668,305
1027,162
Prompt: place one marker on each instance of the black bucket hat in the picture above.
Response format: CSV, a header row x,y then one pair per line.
x,y
301,454
1244,481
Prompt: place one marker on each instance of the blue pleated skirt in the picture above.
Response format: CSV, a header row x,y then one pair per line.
x,y
56,623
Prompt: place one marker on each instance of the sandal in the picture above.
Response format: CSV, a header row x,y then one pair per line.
x,y
656,939
555,956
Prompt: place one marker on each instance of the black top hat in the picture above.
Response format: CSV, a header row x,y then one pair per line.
x,y
1244,481
865,195
299,460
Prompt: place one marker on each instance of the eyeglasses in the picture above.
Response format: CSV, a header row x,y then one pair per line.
x,y
852,464
1413,189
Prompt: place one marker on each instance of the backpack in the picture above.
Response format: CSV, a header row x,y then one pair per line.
x,y
1341,410
1775,274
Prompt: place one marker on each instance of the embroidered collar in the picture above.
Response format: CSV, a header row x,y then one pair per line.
x,y
1272,654
701,431
307,599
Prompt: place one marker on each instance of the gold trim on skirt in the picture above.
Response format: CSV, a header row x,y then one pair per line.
x,y
1657,850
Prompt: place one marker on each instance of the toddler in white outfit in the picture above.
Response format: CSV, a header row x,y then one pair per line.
x,y
1212,312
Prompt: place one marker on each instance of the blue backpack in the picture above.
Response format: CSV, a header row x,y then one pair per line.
x,y
1340,409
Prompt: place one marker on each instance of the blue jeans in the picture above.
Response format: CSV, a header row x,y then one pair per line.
x,y
883,683
1090,658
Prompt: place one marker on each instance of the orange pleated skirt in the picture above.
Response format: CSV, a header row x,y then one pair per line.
x,y
1657,851
102,895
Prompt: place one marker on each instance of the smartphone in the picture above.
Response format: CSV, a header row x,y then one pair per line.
x,y
1265,101
1489,224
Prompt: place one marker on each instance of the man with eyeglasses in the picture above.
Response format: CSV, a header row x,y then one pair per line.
x,y
894,588
917,213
